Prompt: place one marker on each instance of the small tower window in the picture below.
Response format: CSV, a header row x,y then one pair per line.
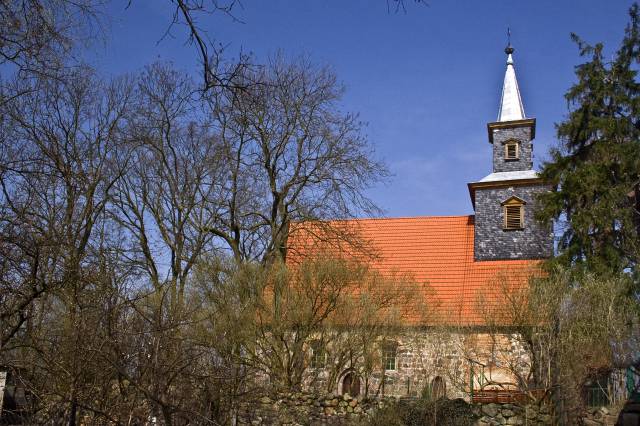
x,y
513,213
512,150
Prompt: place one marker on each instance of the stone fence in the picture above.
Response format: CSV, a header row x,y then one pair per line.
x,y
307,409
511,414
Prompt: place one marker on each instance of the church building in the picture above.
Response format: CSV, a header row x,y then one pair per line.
x,y
467,261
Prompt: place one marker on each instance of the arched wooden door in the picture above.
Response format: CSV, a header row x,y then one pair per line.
x,y
351,384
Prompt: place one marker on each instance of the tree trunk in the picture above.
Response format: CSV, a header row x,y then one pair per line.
x,y
73,412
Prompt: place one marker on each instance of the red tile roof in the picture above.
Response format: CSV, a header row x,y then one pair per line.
x,y
437,252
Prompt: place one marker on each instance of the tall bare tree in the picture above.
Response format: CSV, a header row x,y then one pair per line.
x,y
291,155
113,192
164,203
33,32
268,318
574,330
168,197
57,171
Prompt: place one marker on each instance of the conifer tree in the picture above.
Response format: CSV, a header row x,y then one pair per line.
x,y
595,169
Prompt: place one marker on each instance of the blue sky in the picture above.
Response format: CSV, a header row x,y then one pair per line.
x,y
426,82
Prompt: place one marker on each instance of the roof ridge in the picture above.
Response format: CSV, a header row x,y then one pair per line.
x,y
363,219
408,217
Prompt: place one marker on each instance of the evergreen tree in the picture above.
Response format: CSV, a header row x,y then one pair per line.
x,y
594,170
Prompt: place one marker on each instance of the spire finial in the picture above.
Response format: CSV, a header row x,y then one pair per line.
x,y
511,104
509,49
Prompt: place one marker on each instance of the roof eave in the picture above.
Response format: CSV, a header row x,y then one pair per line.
x,y
472,186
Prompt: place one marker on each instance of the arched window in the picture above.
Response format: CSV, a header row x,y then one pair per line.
x,y
389,353
513,213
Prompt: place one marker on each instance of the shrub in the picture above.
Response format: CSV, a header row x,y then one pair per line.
x,y
424,412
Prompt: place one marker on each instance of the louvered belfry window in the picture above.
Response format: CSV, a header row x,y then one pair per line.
x,y
511,151
513,211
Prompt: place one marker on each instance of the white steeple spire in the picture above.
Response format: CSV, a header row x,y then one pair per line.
x,y
511,103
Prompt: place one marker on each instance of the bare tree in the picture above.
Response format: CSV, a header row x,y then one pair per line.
x,y
35,32
39,38
58,147
168,197
165,203
112,193
271,317
291,155
573,328
216,73
401,5
56,175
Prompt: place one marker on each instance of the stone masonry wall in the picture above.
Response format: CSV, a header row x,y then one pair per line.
x,y
512,414
306,409
425,354
521,134
421,356
492,242
541,415
295,409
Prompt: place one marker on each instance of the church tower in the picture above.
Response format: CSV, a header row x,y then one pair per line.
x,y
504,201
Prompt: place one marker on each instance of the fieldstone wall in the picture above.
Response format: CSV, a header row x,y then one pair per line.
x,y
295,409
307,409
535,415
511,414
523,136
492,242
